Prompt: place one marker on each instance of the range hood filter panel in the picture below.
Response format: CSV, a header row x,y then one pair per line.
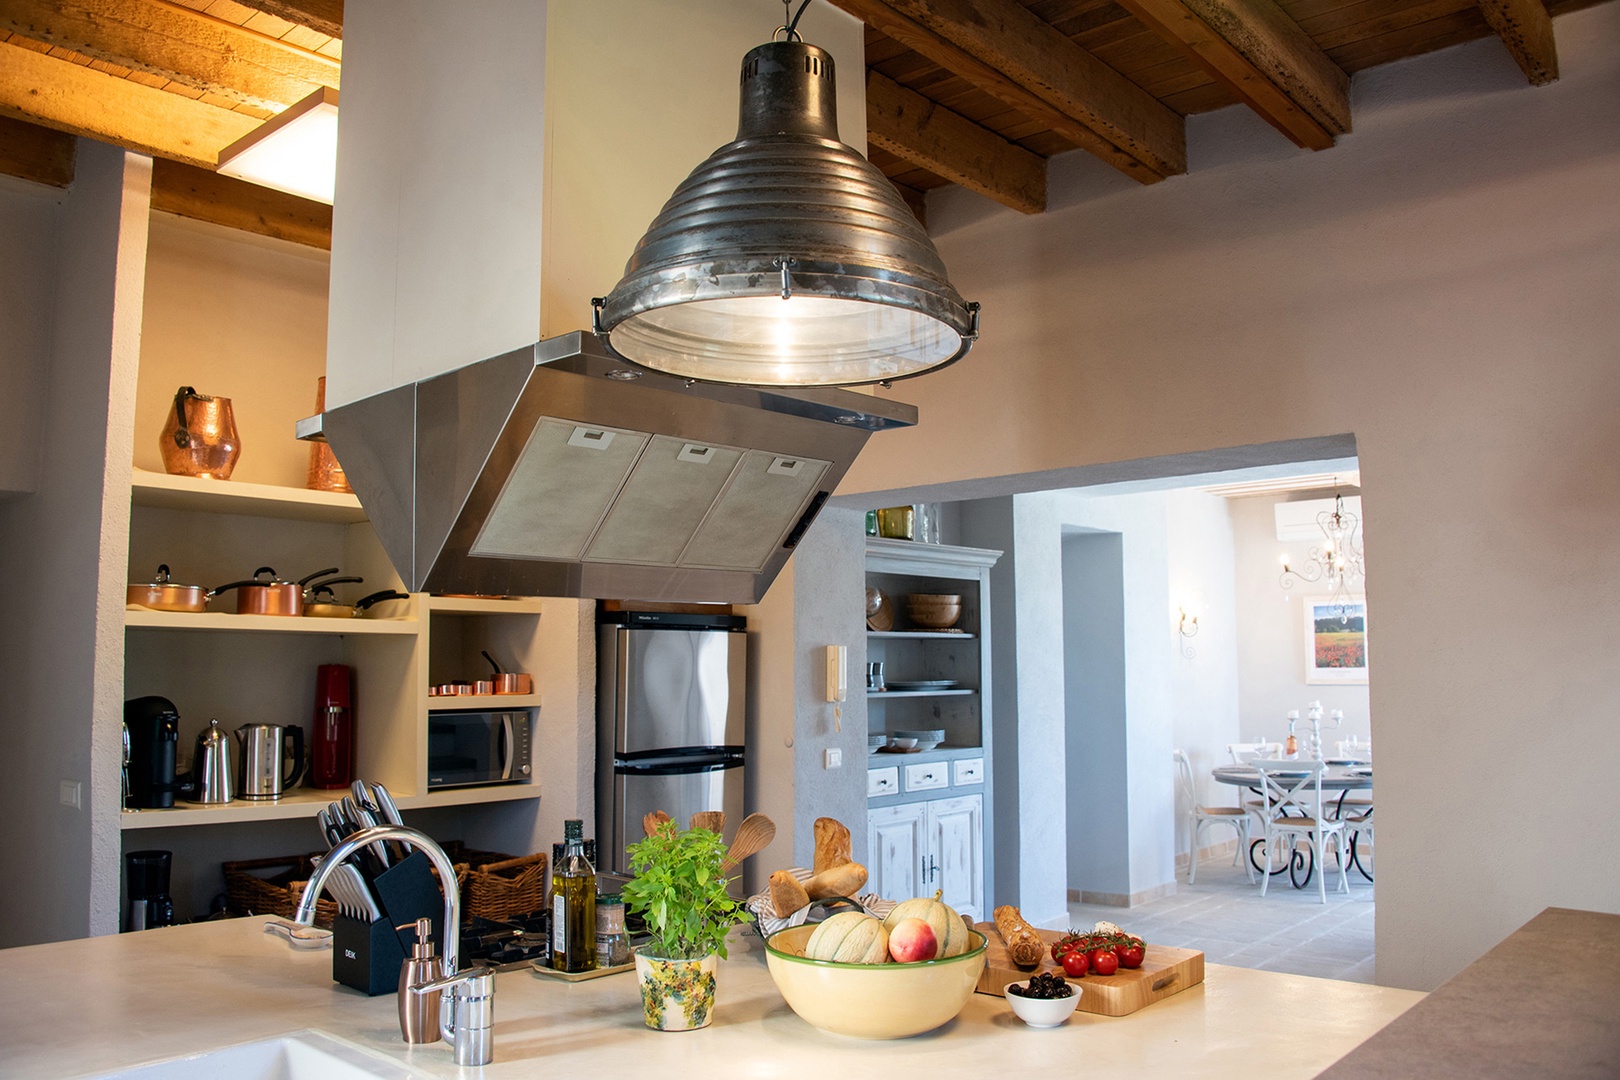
x,y
664,501
558,492
767,497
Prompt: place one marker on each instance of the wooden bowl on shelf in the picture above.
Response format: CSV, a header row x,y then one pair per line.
x,y
934,611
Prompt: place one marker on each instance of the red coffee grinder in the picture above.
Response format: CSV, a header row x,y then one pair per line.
x,y
332,748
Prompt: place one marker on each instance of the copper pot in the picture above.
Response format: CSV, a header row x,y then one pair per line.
x,y
509,682
199,437
161,594
266,594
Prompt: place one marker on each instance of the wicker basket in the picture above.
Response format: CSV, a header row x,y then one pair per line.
x,y
273,887
504,889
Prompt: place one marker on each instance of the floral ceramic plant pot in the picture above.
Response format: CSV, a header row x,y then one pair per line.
x,y
677,995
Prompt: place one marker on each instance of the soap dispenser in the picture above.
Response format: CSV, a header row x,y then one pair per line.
x,y
419,1013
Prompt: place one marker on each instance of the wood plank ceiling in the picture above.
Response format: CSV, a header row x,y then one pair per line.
x,y
979,93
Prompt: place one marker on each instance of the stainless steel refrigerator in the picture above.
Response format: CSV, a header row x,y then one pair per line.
x,y
670,710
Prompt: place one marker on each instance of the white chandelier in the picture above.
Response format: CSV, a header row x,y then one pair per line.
x,y
1338,560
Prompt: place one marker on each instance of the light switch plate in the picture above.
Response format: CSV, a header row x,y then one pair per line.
x,y
72,794
835,757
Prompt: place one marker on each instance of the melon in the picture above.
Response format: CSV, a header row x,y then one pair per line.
x,y
947,925
850,937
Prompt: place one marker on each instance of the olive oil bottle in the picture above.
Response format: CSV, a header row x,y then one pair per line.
x,y
573,904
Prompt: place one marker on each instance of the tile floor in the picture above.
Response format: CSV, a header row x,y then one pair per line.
x,y
1285,930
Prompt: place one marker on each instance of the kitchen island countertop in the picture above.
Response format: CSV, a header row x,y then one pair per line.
x,y
87,1007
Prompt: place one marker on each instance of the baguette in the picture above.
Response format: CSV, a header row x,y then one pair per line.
x,y
787,895
832,845
1024,946
845,880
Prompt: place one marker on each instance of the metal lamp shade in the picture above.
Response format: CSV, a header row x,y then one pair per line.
x,y
786,258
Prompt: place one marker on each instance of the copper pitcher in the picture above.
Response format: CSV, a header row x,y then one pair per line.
x,y
325,474
199,437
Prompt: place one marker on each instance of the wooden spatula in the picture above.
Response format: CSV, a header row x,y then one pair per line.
x,y
753,835
652,820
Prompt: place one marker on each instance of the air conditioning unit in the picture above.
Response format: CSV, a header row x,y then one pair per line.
x,y
1298,521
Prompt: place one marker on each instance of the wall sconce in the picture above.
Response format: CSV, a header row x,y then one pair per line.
x,y
1187,627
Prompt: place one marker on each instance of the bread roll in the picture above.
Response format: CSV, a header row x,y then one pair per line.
x,y
845,880
787,895
832,845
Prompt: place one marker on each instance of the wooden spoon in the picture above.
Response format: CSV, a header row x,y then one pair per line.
x,y
713,820
753,835
651,820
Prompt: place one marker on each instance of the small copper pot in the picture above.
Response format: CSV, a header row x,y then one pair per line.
x,y
199,437
509,682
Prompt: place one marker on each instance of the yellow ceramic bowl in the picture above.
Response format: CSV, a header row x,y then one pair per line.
x,y
872,1001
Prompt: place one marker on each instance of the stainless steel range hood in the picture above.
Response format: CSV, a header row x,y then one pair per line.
x,y
556,470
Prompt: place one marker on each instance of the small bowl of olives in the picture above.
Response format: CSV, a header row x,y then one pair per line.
x,y
1045,1001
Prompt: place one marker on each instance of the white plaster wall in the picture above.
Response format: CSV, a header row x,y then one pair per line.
x,y
1271,635
1206,704
1097,798
238,316
1442,285
73,533
28,219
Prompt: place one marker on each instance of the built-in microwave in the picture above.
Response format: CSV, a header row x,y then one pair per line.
x,y
466,749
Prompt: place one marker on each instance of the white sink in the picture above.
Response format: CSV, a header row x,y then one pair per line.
x,y
298,1055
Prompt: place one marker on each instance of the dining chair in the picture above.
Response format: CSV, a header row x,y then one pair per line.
x,y
1292,793
1200,816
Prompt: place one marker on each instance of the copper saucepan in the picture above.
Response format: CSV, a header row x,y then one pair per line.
x,y
161,594
509,682
266,594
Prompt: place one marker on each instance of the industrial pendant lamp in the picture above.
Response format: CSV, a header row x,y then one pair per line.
x,y
786,258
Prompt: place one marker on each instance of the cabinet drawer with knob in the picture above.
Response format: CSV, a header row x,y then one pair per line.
x,y
927,776
967,771
882,782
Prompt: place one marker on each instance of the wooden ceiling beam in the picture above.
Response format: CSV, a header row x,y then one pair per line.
x,y
178,44
208,196
57,94
1263,57
35,153
1526,29
1011,54
321,16
932,137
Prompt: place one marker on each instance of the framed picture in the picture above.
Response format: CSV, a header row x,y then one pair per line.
x,y
1335,640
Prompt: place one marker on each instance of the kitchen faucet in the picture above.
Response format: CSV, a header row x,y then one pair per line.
x,y
466,1014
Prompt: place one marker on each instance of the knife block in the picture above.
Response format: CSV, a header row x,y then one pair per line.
x,y
368,955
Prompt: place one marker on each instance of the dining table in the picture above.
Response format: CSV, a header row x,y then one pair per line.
x,y
1342,775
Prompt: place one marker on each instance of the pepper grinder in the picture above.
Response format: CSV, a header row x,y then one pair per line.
x,y
419,1013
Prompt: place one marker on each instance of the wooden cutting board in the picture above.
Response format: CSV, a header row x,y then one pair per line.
x,y
1164,971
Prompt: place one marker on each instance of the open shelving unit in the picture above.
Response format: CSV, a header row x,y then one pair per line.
x,y
261,668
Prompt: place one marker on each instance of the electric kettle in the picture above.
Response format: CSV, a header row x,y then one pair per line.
x,y
213,779
265,772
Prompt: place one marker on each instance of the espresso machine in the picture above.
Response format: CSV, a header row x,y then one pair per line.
x,y
152,737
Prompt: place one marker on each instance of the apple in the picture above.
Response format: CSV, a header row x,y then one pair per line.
x,y
912,940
